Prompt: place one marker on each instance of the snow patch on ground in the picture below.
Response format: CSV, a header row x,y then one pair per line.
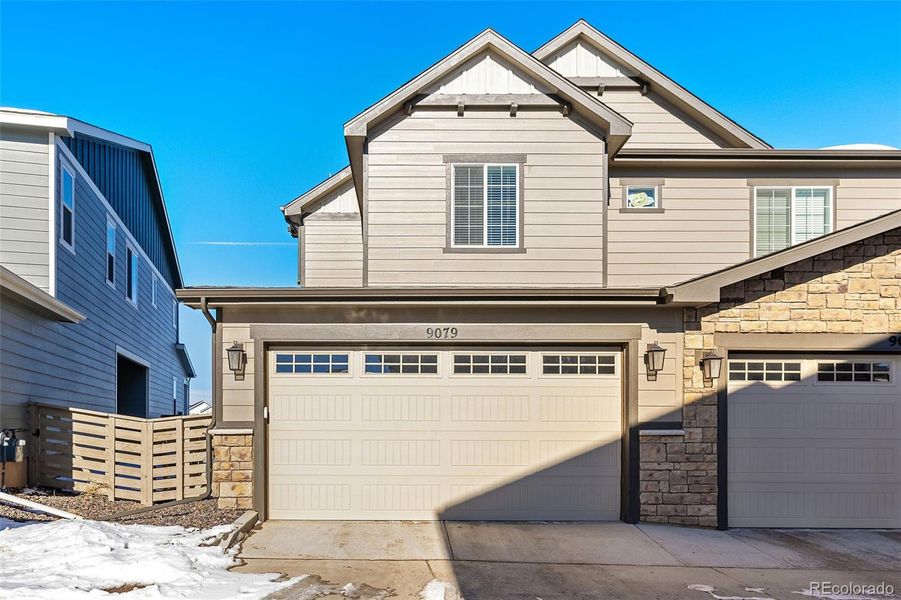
x,y
439,590
698,587
63,560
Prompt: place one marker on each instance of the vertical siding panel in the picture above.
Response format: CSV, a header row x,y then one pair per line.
x,y
125,178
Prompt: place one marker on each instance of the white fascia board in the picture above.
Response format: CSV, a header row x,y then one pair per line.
x,y
55,123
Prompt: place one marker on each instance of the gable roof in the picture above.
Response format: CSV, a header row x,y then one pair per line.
x,y
671,91
617,127
293,211
706,288
67,127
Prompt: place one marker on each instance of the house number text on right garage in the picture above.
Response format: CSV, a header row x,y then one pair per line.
x,y
441,333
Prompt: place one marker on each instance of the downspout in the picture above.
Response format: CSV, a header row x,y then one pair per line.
x,y
204,308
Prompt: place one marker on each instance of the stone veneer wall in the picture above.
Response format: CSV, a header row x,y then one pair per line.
x,y
233,470
855,289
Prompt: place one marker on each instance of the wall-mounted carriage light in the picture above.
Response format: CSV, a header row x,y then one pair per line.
x,y
711,366
653,359
237,358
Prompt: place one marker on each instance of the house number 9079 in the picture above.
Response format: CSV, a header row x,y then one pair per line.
x,y
441,333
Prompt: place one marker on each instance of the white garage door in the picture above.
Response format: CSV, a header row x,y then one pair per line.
x,y
493,434
814,442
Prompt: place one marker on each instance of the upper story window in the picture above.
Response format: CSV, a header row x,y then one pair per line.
x,y
131,275
485,205
110,252
67,207
153,290
784,216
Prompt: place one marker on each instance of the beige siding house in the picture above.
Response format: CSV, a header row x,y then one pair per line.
x,y
559,286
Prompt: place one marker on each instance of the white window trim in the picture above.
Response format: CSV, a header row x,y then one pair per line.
x,y
350,364
153,289
175,312
64,166
792,213
453,211
437,375
136,257
110,222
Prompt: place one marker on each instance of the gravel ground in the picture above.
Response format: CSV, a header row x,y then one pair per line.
x,y
202,514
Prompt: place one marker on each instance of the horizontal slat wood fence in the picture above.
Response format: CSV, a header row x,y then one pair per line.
x,y
125,458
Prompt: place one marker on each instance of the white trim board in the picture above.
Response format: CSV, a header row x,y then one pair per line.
x,y
51,214
111,212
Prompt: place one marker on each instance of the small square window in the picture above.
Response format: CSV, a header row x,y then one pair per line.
x,y
642,197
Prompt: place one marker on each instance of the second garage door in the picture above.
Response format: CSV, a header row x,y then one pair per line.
x,y
492,434
814,442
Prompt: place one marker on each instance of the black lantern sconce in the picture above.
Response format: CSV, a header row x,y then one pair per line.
x,y
654,359
237,359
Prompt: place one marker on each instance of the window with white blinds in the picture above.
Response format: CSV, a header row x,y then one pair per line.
x,y
485,205
785,216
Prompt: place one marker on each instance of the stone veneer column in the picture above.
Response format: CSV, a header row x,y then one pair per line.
x,y
233,469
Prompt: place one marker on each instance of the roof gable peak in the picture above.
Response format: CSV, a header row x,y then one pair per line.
x,y
668,89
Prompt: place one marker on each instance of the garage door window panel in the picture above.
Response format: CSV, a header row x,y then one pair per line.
x,y
578,364
400,364
853,372
312,363
490,364
764,371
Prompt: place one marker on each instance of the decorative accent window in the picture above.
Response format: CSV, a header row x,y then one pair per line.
x,y
485,205
110,252
642,197
67,207
853,372
764,371
785,216
325,364
153,290
402,364
578,364
489,364
131,275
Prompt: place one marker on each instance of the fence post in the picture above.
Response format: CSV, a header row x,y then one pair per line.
x,y
180,459
147,464
111,456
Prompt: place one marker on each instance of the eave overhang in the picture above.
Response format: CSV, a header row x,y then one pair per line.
x,y
294,210
41,302
185,359
196,297
754,155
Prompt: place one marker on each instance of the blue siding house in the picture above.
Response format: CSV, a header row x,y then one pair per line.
x,y
88,266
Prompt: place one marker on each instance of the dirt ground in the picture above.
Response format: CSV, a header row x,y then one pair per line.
x,y
202,514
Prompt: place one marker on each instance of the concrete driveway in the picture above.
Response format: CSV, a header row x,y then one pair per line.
x,y
372,560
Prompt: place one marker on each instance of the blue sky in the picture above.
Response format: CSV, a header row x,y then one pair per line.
x,y
244,102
